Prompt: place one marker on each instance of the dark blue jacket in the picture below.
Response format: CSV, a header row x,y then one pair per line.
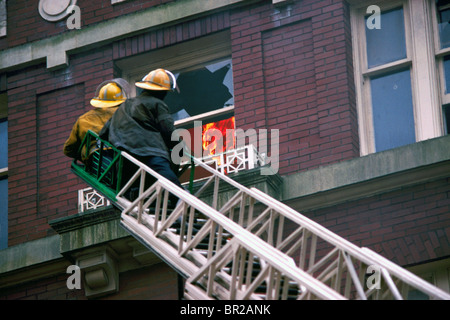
x,y
142,126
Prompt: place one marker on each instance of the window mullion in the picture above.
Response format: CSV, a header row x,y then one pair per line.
x,y
389,67
424,73
365,127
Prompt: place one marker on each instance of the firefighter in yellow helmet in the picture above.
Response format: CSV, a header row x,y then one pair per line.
x,y
108,97
143,125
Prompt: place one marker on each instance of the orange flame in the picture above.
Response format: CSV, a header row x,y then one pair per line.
x,y
209,143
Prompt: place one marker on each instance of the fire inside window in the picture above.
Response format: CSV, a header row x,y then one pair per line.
x,y
217,138
209,141
206,97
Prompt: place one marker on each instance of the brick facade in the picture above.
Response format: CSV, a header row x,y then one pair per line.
x,y
290,73
157,282
42,108
26,25
293,71
407,226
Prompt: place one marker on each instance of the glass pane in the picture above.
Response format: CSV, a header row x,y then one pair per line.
x,y
447,73
392,110
3,213
386,44
202,90
443,9
446,112
3,143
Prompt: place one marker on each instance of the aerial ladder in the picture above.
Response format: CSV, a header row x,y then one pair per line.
x,y
230,242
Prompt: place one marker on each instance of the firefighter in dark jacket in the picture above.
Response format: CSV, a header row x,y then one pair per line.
x,y
143,125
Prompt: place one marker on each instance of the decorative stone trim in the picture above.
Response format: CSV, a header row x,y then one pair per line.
x,y
55,10
3,18
281,2
100,271
84,219
56,49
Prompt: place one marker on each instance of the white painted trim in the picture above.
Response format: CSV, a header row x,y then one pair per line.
x,y
56,49
205,116
425,84
61,8
427,106
3,18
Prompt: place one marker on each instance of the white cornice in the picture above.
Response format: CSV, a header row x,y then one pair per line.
x,y
55,50
369,175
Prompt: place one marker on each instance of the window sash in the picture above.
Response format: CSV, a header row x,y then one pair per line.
x,y
441,54
3,213
195,53
3,146
420,59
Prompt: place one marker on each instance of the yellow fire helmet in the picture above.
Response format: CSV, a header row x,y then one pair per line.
x,y
159,79
108,95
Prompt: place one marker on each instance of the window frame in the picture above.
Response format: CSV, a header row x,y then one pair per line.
x,y
440,55
3,19
3,117
4,170
196,53
420,39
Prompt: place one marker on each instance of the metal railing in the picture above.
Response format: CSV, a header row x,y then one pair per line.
x,y
172,236
261,228
243,244
90,199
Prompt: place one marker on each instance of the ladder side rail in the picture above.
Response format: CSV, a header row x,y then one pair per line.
x,y
332,238
286,211
367,257
247,240
274,259
364,255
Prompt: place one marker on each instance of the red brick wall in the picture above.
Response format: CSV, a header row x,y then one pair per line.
x,y
292,70
408,226
42,108
290,73
171,35
300,84
50,288
25,24
157,282
43,105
